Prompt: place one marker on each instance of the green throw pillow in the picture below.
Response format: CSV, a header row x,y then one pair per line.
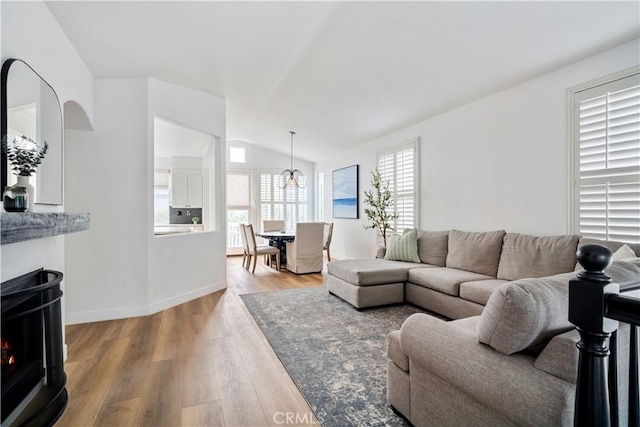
x,y
403,248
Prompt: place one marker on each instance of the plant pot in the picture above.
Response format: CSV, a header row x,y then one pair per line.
x,y
15,199
23,181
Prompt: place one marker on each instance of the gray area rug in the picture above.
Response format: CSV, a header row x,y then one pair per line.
x,y
335,354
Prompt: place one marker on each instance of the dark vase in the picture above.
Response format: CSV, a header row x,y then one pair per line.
x,y
15,199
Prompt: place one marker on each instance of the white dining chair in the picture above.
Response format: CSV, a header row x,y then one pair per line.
x,y
304,254
273,225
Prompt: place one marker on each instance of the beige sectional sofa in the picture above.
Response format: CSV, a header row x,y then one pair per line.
x,y
510,357
458,272
514,365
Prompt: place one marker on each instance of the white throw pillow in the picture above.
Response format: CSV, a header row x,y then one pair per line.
x,y
403,248
623,252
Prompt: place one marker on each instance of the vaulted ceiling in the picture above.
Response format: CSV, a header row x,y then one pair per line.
x,y
339,73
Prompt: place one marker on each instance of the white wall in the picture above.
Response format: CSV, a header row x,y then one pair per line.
x,y
209,184
497,163
106,174
187,162
31,33
258,158
162,162
23,257
185,267
128,271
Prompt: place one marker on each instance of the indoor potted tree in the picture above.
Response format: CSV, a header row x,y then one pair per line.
x,y
380,203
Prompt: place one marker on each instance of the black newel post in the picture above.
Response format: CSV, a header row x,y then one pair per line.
x,y
587,312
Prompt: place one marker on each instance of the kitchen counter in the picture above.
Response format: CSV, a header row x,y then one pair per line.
x,y
168,229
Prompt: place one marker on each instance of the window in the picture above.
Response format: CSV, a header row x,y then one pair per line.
x,y
161,196
398,166
236,155
606,145
238,206
181,177
320,196
290,204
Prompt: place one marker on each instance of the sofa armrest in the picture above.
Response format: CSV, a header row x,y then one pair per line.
x,y
560,356
508,384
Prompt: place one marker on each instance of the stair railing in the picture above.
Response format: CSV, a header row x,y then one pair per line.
x,y
596,307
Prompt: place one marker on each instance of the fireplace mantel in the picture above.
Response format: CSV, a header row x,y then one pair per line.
x,y
18,227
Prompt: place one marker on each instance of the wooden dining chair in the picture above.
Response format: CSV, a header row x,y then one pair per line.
x,y
246,258
328,232
271,225
255,250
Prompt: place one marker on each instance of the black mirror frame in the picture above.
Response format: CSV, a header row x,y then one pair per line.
x,y
4,74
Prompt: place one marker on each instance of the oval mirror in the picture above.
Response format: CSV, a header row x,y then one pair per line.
x,y
30,107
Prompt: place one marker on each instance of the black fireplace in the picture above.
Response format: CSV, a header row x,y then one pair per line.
x,y
33,378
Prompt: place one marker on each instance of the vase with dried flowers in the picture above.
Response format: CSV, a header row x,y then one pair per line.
x,y
24,155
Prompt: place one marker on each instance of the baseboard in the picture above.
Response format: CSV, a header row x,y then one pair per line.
x,y
339,256
109,314
137,311
186,297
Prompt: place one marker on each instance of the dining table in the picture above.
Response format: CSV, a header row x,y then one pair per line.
x,y
278,239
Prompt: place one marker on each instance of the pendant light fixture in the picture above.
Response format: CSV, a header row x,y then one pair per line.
x,y
292,177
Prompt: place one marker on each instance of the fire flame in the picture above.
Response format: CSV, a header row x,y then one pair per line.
x,y
4,345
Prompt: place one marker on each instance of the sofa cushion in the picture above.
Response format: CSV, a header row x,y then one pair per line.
x,y
364,272
394,352
527,313
624,252
433,247
403,248
624,272
443,279
477,252
536,256
479,291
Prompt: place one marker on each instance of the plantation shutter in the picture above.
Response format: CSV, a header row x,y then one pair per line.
x,y
289,204
608,176
398,167
320,196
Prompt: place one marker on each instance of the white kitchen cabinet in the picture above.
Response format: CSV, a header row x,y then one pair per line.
x,y
186,188
194,190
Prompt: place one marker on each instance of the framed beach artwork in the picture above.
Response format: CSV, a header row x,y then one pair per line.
x,y
345,192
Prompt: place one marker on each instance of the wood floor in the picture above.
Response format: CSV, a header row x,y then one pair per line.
x,y
203,363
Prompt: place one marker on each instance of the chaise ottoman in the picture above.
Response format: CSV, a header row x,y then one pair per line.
x,y
369,282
